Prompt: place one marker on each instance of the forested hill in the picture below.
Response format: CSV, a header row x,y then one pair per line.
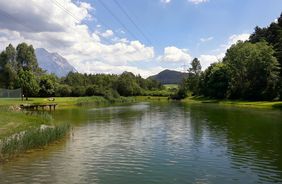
x,y
169,77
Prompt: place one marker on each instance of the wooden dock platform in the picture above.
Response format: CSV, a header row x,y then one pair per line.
x,y
38,106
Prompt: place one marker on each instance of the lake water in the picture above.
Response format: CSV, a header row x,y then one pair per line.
x,y
159,143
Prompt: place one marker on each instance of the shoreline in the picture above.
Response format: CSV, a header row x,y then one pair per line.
x,y
237,103
14,121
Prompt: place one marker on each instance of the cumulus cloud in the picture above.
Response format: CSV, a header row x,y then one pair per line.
x,y
174,54
198,1
207,60
101,67
46,24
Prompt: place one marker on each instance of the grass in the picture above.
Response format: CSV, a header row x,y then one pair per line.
x,y
20,130
239,103
31,139
150,98
171,86
14,122
65,101
61,101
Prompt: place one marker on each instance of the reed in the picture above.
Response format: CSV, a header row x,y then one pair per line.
x,y
31,139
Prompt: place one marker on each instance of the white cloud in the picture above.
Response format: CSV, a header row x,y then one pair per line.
x,y
174,54
198,1
45,24
241,37
165,1
207,60
101,67
108,33
206,39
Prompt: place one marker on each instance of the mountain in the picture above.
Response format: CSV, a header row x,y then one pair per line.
x,y
169,77
53,62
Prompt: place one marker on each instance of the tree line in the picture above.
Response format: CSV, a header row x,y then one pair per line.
x,y
19,69
250,70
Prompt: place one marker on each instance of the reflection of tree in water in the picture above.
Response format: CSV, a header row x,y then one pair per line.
x,y
80,115
252,137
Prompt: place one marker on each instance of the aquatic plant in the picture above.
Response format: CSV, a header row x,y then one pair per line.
x,y
31,139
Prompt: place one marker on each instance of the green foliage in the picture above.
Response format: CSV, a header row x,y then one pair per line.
x,y
63,90
19,68
192,80
27,81
109,86
273,35
127,86
254,72
8,67
32,138
48,85
214,81
250,70
78,91
26,57
196,67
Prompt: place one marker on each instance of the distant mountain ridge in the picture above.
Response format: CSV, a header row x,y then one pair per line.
x,y
53,62
169,77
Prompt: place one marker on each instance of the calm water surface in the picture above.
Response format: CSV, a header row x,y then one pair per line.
x,y
158,143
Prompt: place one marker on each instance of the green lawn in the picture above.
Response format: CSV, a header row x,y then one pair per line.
x,y
61,101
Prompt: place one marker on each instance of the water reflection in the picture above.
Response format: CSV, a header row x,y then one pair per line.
x,y
158,143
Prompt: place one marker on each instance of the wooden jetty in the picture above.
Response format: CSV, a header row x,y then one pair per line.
x,y
38,106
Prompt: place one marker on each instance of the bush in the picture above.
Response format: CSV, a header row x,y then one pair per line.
x,y
78,91
63,91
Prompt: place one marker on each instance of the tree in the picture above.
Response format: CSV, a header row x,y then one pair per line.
x,y
273,35
254,71
193,76
48,85
26,57
214,81
196,67
8,67
27,81
63,90
127,85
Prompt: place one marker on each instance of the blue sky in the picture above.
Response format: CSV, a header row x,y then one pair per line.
x,y
182,23
86,33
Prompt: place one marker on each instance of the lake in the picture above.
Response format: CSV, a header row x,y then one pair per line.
x,y
160,143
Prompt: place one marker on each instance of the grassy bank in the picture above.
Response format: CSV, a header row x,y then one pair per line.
x,y
32,138
13,120
22,130
150,98
238,103
64,101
